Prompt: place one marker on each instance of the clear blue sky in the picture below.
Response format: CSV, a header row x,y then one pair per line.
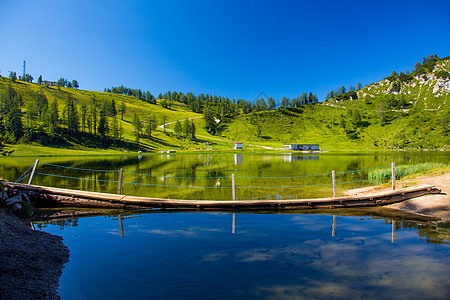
x,y
228,48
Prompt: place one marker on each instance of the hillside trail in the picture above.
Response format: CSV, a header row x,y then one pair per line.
x,y
436,205
209,137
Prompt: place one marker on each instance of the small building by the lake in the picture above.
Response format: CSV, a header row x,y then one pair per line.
x,y
303,147
238,146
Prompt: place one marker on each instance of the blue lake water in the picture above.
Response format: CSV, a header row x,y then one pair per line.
x,y
253,256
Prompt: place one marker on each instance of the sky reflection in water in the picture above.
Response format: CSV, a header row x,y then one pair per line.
x,y
269,256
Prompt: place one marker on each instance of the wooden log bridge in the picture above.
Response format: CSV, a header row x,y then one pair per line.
x,y
52,196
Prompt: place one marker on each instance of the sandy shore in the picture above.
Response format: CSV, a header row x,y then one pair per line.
x,y
31,262
436,205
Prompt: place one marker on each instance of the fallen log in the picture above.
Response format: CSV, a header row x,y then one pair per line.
x,y
51,195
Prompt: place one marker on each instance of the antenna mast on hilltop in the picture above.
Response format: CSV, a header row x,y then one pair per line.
x,y
24,69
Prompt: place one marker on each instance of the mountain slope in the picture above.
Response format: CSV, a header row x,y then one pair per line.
x,y
409,112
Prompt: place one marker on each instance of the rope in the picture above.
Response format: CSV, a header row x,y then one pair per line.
x,y
73,168
284,176
361,170
70,177
141,174
363,180
219,177
23,174
22,178
281,187
178,186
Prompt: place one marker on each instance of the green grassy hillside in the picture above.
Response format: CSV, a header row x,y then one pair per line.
x,y
395,113
83,144
405,112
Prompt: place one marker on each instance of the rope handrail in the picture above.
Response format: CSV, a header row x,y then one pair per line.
x,y
362,170
83,169
71,177
22,178
300,176
178,177
215,177
375,179
187,186
204,187
23,174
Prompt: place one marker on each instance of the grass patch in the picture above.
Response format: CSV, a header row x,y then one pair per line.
x,y
407,170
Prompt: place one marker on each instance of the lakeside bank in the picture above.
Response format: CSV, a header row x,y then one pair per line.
x,y
31,261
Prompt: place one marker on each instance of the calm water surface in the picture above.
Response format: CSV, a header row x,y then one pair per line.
x,y
208,176
241,256
253,256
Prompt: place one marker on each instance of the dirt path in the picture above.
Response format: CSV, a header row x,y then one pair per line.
x,y
436,205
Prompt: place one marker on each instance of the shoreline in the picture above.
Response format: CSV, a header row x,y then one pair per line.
x,y
435,205
31,261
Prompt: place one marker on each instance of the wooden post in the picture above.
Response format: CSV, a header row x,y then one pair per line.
x,y
393,175
233,225
121,226
233,187
32,171
333,176
333,233
120,181
393,231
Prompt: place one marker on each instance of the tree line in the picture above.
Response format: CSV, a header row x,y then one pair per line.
x,y
45,120
62,82
216,109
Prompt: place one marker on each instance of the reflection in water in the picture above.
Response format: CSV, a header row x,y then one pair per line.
x,y
189,176
238,158
290,157
199,255
333,232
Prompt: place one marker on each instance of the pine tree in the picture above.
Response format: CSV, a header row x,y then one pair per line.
x,y
102,122
111,108
137,125
186,128
39,81
29,117
72,114
13,76
303,99
178,128
114,128
52,119
163,120
84,112
310,98
359,86
93,110
14,119
123,109
193,129
75,84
